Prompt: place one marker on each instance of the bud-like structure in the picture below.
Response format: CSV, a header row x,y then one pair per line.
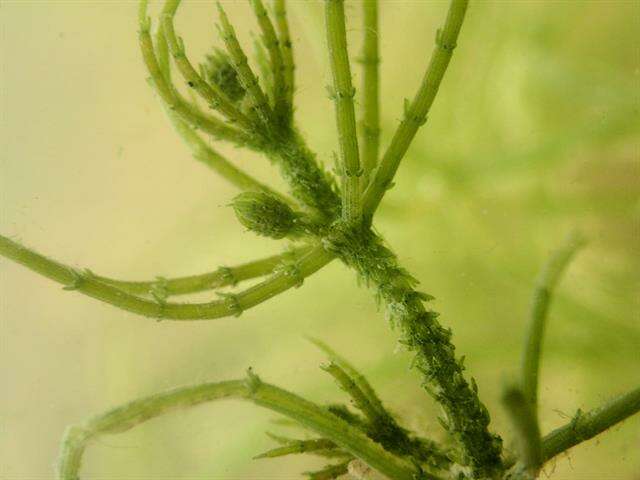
x,y
218,70
264,214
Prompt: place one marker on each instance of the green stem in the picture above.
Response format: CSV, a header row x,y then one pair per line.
x,y
302,446
308,182
174,102
230,305
282,25
587,425
523,418
371,91
416,112
212,159
253,390
222,277
199,148
212,94
545,285
270,40
361,382
467,419
360,400
343,93
246,76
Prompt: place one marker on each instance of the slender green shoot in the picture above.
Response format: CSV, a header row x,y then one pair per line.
x,y
343,93
252,390
300,446
271,42
415,114
358,378
370,60
330,472
200,149
585,426
213,95
175,102
246,76
347,384
229,305
222,277
545,285
523,418
288,65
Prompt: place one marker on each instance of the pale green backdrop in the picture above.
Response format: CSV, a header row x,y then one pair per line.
x,y
535,132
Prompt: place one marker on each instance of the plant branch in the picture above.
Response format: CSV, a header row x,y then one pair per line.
x,y
229,305
370,60
585,426
175,102
212,94
282,25
253,390
360,381
416,112
241,65
222,277
545,285
271,42
343,93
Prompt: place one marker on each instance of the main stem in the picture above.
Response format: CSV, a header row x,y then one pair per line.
x,y
467,419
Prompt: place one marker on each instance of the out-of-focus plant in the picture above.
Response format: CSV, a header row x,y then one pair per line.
x,y
326,221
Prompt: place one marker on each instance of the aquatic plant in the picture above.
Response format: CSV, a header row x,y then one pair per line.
x,y
329,217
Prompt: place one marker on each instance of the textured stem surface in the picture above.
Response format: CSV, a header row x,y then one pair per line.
x,y
253,390
467,419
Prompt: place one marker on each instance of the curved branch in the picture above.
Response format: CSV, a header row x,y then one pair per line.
x,y
210,93
229,305
253,390
547,280
174,102
222,277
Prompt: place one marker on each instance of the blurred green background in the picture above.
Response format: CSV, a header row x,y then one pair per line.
x,y
535,132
